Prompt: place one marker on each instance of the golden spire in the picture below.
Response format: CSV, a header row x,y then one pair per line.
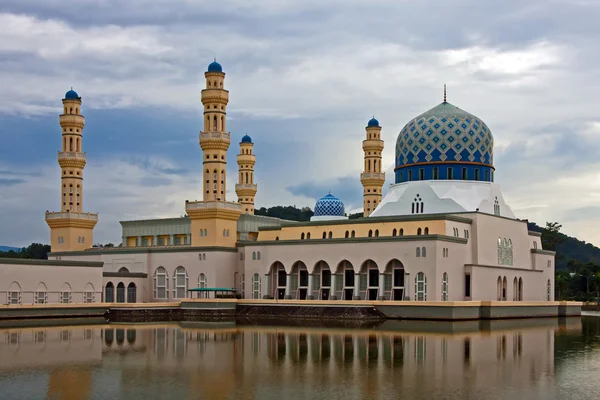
x,y
444,92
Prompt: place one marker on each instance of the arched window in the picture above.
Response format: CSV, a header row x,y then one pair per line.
x,y
549,290
161,283
277,238
89,293
308,235
14,293
215,123
254,255
131,293
243,285
227,232
65,293
202,281
324,235
121,292
330,235
224,232
420,287
376,232
500,251
510,252
419,231
180,283
109,293
256,286
426,231
394,232
258,255
353,234
41,294
499,288
423,252
370,233
520,296
302,236
418,252
401,232
347,235
515,289
535,245
445,287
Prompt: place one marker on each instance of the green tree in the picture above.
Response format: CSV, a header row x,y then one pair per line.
x,y
551,236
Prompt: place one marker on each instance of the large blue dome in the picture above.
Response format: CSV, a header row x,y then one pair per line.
x,y
329,206
71,94
445,143
215,67
373,122
246,139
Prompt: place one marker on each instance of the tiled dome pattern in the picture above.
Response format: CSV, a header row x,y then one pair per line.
x,y
329,206
445,133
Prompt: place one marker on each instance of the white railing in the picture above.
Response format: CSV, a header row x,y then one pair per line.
x,y
192,205
71,214
378,175
245,186
49,297
215,135
71,154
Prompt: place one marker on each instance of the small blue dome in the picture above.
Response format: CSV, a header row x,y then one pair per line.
x,y
71,94
246,139
373,122
329,206
215,67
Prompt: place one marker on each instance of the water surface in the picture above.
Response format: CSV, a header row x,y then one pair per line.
x,y
479,360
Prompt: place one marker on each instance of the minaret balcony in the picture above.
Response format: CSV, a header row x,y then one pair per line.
x,y
71,155
215,135
199,205
246,186
71,215
373,176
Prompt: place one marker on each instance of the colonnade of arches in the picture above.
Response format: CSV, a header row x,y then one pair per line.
x,y
502,289
120,293
341,282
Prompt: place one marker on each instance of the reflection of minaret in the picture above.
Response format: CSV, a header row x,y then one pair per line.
x,y
372,178
246,188
71,384
71,229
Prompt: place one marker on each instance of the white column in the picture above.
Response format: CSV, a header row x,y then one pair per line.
x,y
334,279
309,294
357,278
266,289
288,286
407,284
381,286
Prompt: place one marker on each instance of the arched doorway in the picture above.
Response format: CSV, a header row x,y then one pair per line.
x,y
131,293
299,281
278,277
344,285
109,293
121,292
369,280
394,281
321,281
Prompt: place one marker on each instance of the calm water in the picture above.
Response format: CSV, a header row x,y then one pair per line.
x,y
529,359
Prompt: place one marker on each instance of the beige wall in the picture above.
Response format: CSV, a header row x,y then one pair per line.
x,y
56,279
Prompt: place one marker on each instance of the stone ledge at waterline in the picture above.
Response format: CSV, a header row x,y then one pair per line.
x,y
199,309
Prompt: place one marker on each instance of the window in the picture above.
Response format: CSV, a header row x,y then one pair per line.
x,y
417,205
376,232
487,175
308,235
476,174
347,234
161,283
353,234
370,233
394,232
330,235
401,232
421,174
131,293
535,245
256,286
180,283
496,207
258,255
419,231
302,236
418,252
41,294
450,173
324,235
464,174
435,173
409,175
549,263
254,255
109,293
549,290
445,287
468,285
89,294
242,285
426,231
423,252
420,287
202,281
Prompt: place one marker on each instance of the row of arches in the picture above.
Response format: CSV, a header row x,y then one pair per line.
x,y
180,283
502,289
41,295
123,294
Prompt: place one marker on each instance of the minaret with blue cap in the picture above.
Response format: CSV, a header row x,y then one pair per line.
x,y
372,178
213,221
246,188
71,229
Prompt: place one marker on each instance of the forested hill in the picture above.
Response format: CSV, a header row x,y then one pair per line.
x,y
570,249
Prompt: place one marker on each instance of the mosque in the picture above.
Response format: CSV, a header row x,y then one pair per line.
x,y
443,231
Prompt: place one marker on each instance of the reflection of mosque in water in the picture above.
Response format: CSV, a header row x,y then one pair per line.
x,y
224,360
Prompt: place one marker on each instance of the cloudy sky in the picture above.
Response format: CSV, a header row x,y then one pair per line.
x,y
304,78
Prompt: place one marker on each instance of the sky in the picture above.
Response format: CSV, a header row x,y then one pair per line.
x,y
304,78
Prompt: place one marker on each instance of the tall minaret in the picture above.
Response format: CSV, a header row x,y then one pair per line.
x,y
372,178
71,229
214,220
214,140
246,188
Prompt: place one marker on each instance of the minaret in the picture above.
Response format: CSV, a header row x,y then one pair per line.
x,y
372,178
214,220
246,188
71,229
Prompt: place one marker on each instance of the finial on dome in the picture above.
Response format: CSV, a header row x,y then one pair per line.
x,y
444,93
215,59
